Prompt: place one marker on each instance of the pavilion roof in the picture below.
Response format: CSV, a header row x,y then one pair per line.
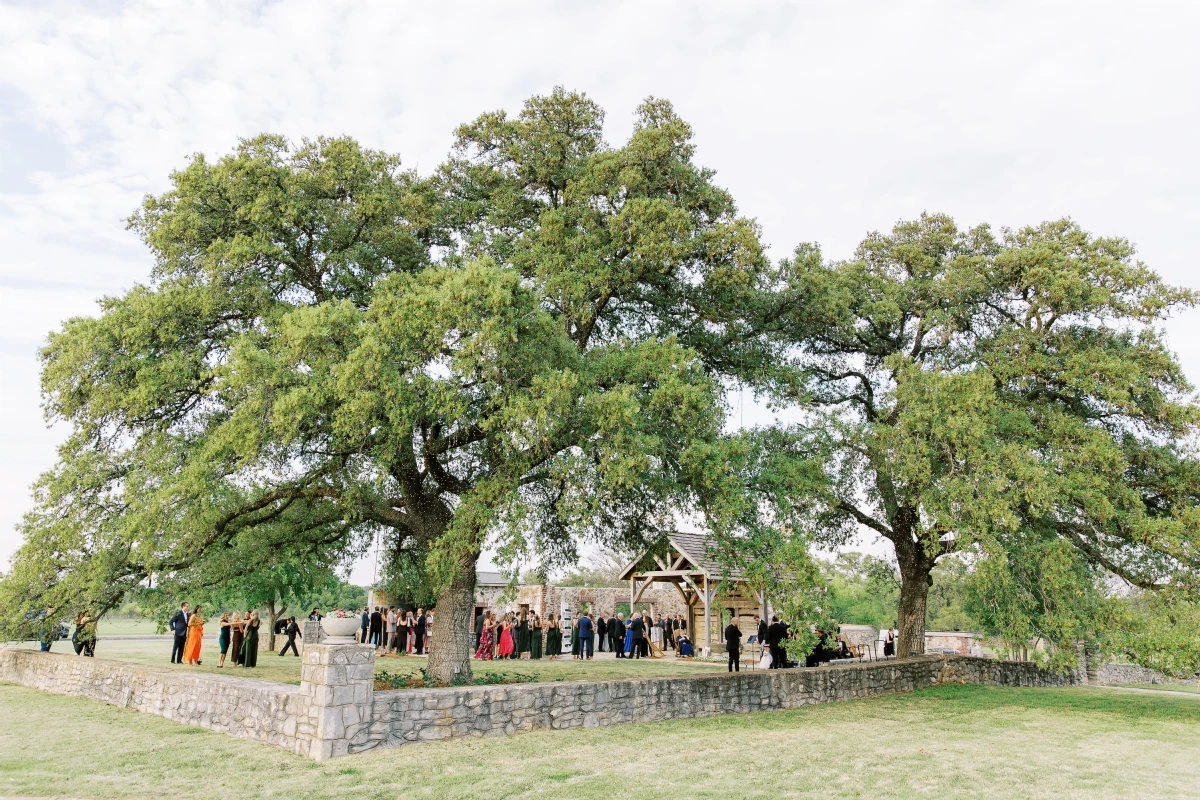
x,y
697,549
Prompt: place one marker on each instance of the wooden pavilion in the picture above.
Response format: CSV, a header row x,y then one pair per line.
x,y
710,591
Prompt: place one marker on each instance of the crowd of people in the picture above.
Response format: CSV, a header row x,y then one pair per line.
x,y
514,635
508,635
237,633
394,631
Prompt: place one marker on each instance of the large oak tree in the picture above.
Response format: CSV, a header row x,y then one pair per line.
x,y
526,348
1007,397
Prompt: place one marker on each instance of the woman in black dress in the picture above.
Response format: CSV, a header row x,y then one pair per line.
x,y
250,645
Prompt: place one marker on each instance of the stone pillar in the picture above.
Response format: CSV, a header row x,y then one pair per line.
x,y
338,682
311,633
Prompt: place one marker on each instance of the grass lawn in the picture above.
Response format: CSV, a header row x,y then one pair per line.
x,y
157,653
114,626
950,741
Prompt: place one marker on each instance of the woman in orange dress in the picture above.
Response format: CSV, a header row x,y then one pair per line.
x,y
191,648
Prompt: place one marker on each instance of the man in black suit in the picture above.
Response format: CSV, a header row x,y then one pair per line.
x,y
478,629
635,641
376,631
762,631
616,634
292,630
776,632
601,632
366,626
733,645
419,632
179,626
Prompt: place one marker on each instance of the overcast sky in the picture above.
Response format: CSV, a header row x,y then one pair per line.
x,y
826,120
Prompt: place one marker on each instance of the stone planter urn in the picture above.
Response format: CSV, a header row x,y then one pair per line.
x,y
340,630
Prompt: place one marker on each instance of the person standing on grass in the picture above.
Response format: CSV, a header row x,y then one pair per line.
x,y
419,631
223,637
75,640
195,634
637,629
179,626
506,641
376,629
84,637
250,643
390,643
479,627
292,630
587,631
483,650
236,636
553,637
776,633
535,637
733,645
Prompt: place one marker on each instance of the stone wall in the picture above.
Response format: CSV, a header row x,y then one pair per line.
x,y
1132,673
310,719
336,711
399,717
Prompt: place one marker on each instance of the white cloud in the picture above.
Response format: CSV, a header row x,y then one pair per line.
x,y
826,120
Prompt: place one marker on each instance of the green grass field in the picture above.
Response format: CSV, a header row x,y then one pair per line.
x,y
271,667
950,741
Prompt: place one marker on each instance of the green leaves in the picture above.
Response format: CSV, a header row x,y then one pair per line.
x,y
1005,398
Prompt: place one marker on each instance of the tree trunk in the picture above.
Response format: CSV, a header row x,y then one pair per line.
x,y
915,580
450,641
273,615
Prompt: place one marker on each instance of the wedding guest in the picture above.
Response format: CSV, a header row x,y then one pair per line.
x,y
586,636
553,637
483,650
601,632
479,618
616,634
292,630
375,633
390,644
506,640
237,632
250,642
75,642
179,626
637,629
419,630
535,637
84,638
410,623
575,638
733,645
366,626
191,648
223,637
522,637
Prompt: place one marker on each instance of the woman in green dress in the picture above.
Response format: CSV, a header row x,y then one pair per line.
x,y
535,637
250,643
522,634
553,637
